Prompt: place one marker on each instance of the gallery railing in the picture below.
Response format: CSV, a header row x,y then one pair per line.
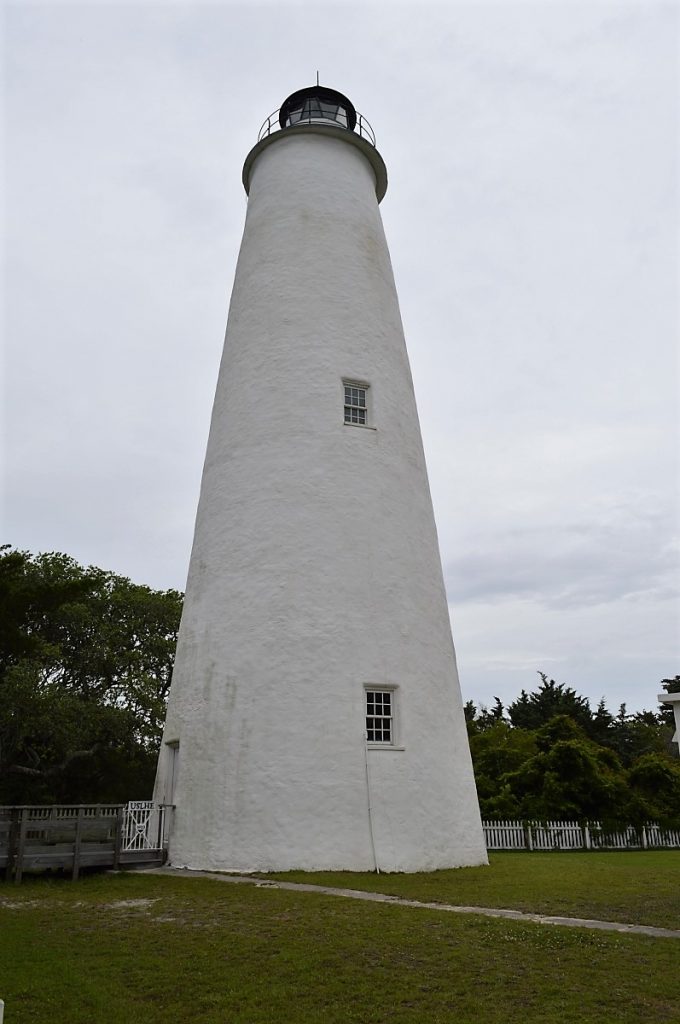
x,y
272,124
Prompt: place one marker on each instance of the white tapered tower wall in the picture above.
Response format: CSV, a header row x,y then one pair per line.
x,y
315,570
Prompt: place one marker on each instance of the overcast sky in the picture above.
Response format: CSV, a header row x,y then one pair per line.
x,y
532,217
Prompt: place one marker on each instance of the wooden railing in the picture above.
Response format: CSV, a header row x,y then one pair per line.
x,y
39,838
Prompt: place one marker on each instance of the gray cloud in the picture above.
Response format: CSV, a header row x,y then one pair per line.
x,y
572,565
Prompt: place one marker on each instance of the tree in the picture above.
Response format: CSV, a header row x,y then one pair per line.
x,y
531,711
85,663
601,724
470,712
485,718
570,777
632,736
497,752
571,763
654,780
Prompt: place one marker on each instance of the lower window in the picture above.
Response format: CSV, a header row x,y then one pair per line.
x,y
380,716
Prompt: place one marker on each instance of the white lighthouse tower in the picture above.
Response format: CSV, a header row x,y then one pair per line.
x,y
315,718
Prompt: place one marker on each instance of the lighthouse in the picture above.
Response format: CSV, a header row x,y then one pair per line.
x,y
314,718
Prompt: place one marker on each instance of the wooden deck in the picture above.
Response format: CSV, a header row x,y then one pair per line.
x,y
71,838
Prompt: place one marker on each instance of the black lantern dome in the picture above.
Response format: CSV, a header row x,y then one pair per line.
x,y
317,105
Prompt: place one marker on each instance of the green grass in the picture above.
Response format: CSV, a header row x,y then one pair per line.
x,y
209,952
634,888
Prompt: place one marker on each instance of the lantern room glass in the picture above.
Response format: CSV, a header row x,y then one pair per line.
x,y
314,110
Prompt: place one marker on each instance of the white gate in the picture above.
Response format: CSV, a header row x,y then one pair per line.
x,y
143,825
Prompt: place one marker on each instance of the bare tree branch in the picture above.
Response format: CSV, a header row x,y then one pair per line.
x,y
20,769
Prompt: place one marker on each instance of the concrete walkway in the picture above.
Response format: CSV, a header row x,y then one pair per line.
x,y
377,897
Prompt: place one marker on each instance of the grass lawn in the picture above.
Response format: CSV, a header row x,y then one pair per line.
x,y
133,947
641,887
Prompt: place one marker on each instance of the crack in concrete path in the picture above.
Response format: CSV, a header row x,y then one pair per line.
x,y
400,901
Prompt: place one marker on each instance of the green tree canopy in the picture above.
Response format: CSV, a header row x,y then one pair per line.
x,y
532,710
554,758
85,664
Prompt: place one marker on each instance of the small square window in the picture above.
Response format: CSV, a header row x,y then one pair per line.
x,y
380,716
356,403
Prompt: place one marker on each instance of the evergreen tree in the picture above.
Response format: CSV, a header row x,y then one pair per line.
x,y
531,711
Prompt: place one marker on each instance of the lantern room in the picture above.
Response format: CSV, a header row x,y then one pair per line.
x,y
317,105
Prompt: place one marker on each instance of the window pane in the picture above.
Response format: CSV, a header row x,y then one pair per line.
x,y
379,716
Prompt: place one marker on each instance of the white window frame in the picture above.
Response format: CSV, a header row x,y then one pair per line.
x,y
364,386
393,742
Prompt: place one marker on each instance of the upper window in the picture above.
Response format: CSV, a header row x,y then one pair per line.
x,y
380,716
356,403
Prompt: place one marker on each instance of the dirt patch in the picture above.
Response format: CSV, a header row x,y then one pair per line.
x,y
21,904
142,904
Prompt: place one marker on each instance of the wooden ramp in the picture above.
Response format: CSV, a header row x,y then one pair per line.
x,y
69,838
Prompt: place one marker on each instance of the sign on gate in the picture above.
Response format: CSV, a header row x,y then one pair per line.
x,y
143,825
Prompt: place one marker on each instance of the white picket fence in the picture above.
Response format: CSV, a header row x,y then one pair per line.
x,y
570,835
